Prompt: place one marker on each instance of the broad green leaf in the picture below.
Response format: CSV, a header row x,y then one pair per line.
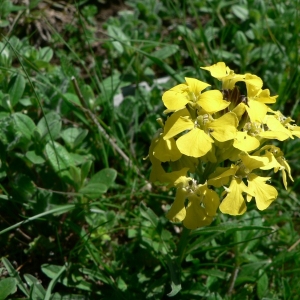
x,y
240,11
73,137
34,158
85,169
55,279
176,288
36,289
5,101
72,98
262,284
121,284
162,53
23,186
106,176
119,38
24,124
8,286
80,137
51,270
46,54
93,190
59,158
16,88
149,214
49,126
13,273
75,175
34,3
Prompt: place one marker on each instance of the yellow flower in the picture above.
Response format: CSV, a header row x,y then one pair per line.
x,y
234,203
165,149
158,174
223,73
264,194
201,206
276,162
198,141
191,92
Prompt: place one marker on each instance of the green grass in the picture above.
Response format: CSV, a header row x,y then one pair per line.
x,y
77,211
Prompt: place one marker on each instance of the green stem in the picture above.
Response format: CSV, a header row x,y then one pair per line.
x,y
182,244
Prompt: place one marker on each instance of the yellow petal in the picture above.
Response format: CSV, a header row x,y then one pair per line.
x,y
177,123
285,168
224,128
239,110
177,212
195,143
176,98
256,111
221,176
195,214
253,162
196,86
212,101
185,161
264,194
166,150
279,129
234,203
218,70
264,97
253,84
295,130
245,142
273,163
211,202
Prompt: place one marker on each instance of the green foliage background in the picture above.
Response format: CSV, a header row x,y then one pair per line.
x,y
78,219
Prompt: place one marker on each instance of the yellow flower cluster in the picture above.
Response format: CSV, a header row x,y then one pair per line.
x,y
218,139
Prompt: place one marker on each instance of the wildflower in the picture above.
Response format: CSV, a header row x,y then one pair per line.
x,y
217,139
201,131
201,207
191,93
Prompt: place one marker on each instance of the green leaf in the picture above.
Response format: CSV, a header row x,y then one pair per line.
x,y
51,270
162,53
60,159
16,88
80,137
36,289
85,169
73,137
93,190
55,211
34,158
240,11
55,278
262,284
121,284
49,127
33,3
24,124
13,273
8,286
119,37
46,54
176,288
148,214
106,176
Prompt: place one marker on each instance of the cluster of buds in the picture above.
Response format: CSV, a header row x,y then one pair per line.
x,y
219,139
